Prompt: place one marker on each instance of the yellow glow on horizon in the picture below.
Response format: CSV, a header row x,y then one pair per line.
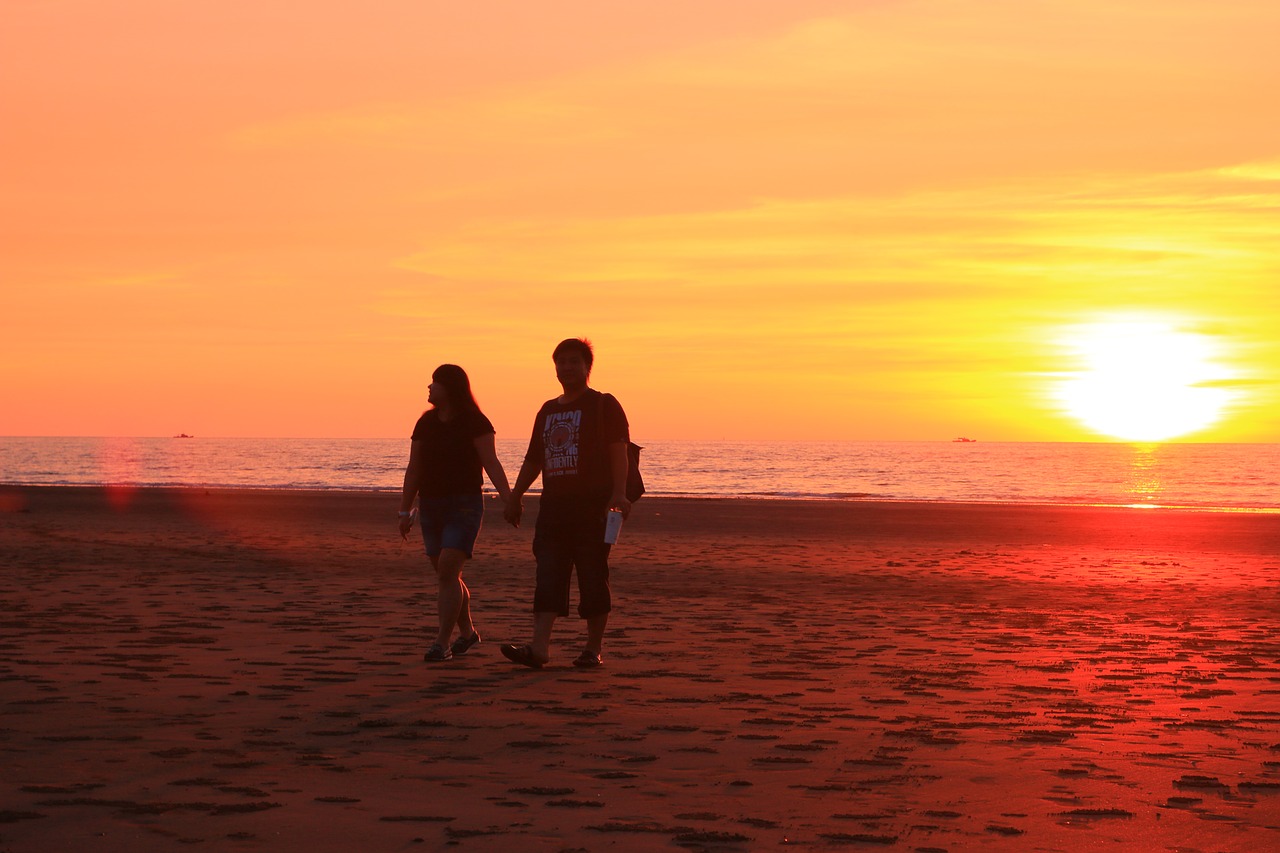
x,y
1143,380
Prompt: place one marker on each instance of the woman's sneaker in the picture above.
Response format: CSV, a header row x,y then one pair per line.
x,y
463,644
437,653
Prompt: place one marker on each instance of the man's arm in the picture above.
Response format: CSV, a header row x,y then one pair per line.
x,y
618,467
529,472
618,431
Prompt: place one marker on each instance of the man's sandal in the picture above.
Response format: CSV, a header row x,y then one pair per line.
x,y
523,655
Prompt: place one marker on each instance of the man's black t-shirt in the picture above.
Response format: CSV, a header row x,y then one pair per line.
x,y
571,444
451,464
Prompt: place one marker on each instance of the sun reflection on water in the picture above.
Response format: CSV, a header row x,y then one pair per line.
x,y
1144,482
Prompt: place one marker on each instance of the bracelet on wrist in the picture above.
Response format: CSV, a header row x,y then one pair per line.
x,y
405,514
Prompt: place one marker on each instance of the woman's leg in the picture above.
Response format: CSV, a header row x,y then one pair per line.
x,y
465,627
453,596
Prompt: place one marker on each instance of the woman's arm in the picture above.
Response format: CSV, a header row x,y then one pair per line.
x,y
412,474
493,466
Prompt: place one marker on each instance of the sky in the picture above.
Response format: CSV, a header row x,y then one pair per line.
x,y
785,221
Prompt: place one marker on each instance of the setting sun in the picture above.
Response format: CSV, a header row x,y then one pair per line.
x,y
1144,380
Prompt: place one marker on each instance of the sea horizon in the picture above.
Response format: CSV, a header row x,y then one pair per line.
x,y
1191,475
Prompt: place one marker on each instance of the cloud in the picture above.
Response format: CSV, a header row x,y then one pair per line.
x,y
900,95
1264,170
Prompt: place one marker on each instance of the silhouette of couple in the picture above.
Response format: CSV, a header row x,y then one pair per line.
x,y
579,448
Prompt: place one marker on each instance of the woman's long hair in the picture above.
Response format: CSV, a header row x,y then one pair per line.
x,y
458,387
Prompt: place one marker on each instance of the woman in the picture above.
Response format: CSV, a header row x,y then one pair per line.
x,y
452,441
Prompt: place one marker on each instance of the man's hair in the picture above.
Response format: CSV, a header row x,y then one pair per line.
x,y
581,346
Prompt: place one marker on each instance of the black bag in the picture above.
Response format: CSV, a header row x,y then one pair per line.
x,y
635,482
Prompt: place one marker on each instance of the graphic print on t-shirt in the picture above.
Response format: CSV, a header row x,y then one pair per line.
x,y
560,437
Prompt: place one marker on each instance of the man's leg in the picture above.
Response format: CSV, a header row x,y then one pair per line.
x,y
595,632
554,558
542,625
591,559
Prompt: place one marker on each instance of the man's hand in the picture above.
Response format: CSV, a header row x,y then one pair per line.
x,y
406,522
512,511
620,503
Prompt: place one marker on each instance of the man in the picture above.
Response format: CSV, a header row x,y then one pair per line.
x,y
579,447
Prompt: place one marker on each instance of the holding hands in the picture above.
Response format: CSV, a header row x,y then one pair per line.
x,y
513,510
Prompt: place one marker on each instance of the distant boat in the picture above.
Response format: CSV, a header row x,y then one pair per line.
x,y
184,435
963,440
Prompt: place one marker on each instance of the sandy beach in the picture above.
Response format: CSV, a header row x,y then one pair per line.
x,y
242,670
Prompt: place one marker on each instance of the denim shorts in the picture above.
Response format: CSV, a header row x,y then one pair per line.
x,y
452,521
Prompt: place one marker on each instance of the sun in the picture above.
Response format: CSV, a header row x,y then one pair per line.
x,y
1143,380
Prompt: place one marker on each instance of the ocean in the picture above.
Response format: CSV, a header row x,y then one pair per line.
x,y
1208,476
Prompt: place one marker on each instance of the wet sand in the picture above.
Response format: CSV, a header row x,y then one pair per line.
x,y
243,671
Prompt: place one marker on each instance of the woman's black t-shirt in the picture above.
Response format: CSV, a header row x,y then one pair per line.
x,y
451,465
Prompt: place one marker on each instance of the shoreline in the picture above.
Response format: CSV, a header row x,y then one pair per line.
x,y
244,670
852,522
489,494
1191,476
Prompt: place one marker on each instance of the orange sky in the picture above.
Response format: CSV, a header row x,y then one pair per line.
x,y
800,220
